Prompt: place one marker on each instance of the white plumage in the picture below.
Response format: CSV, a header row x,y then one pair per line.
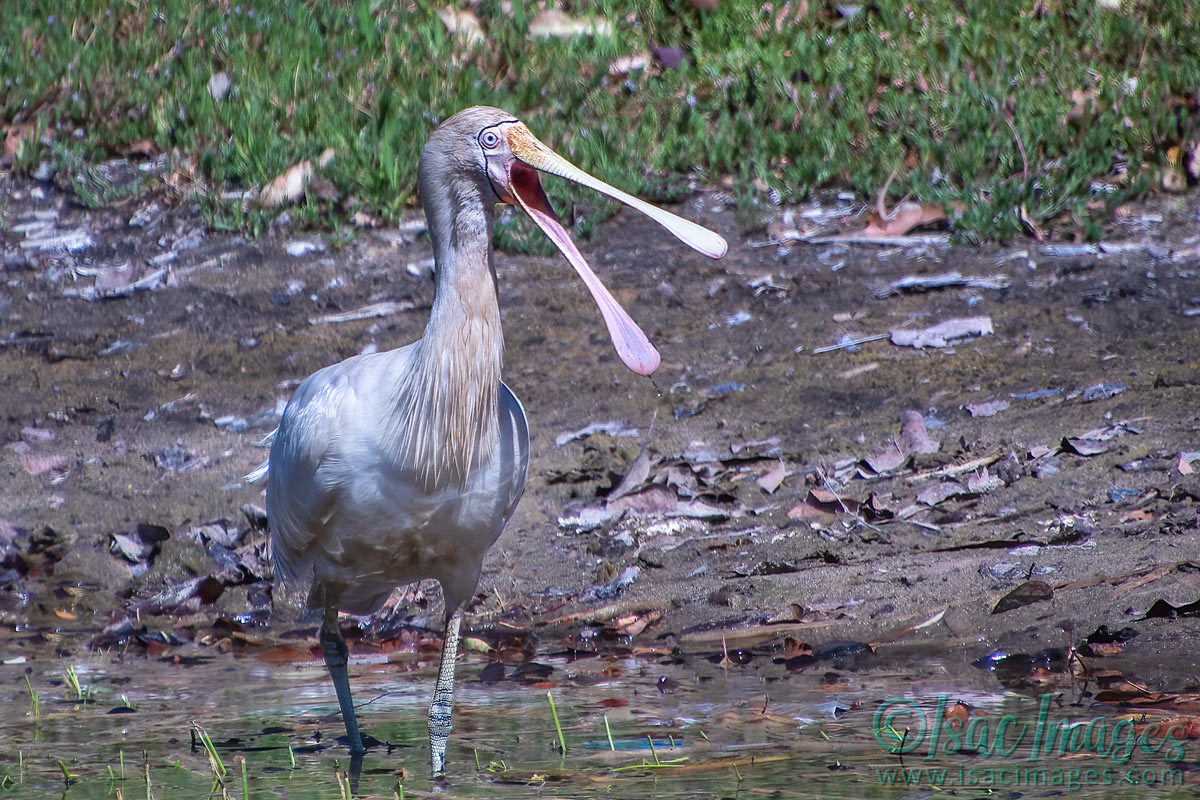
x,y
391,467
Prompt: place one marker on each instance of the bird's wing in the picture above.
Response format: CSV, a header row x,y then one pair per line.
x,y
299,502
512,416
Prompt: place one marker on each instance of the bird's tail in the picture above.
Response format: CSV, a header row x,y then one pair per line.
x,y
258,474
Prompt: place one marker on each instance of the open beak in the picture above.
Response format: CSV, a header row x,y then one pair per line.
x,y
524,187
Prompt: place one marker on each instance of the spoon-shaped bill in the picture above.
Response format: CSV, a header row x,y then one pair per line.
x,y
628,339
528,148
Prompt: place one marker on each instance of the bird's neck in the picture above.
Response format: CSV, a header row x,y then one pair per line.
x,y
452,389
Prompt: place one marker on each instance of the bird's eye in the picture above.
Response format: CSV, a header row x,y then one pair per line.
x,y
490,140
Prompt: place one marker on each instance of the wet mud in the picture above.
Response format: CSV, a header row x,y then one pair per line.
x,y
773,481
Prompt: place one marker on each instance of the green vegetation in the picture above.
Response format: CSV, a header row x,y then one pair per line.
x,y
35,699
998,106
562,743
81,694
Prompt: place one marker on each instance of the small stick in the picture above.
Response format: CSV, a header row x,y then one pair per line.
x,y
1020,146
884,216
863,340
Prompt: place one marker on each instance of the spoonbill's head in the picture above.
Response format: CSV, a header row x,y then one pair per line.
x,y
500,148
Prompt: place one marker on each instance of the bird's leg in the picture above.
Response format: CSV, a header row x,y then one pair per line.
x,y
443,696
336,656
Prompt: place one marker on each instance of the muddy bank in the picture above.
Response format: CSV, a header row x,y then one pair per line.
x,y
1055,436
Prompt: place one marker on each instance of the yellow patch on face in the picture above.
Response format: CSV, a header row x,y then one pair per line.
x,y
525,145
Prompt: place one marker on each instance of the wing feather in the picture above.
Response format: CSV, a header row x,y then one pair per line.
x,y
298,501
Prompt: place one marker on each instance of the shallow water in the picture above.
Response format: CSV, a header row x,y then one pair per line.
x,y
736,731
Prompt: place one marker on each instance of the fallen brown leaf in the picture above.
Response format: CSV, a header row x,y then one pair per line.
x,y
634,624
14,135
770,480
37,464
904,218
1105,649
462,23
290,186
959,712
142,147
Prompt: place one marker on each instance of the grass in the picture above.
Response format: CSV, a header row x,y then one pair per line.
x,y
562,743
215,763
35,699
71,676
1006,107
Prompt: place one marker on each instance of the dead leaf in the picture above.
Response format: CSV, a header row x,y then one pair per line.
x,y
943,333
925,283
1025,594
633,624
770,480
958,713
1104,649
462,23
939,492
876,508
914,438
983,482
1083,101
904,218
626,64
612,428
14,135
288,187
1174,181
557,23
1084,447
1183,465
635,476
821,502
142,147
62,613
888,460
37,464
473,644
988,409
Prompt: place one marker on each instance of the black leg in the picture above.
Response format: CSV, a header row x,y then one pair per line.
x,y
336,655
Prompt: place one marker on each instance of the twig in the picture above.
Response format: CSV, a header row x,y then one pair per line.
x,y
1020,146
886,241
879,198
863,340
